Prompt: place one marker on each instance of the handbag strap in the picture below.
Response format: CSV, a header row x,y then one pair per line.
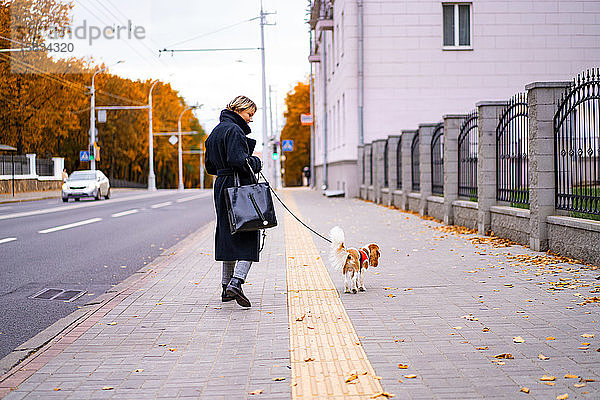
x,y
251,171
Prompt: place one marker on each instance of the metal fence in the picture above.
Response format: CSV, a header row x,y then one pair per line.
x,y
415,170
512,152
364,166
20,163
467,157
437,160
399,165
371,166
44,167
386,182
577,146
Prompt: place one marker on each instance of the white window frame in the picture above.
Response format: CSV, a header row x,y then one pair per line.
x,y
457,26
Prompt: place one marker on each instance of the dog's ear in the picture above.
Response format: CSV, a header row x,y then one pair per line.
x,y
374,248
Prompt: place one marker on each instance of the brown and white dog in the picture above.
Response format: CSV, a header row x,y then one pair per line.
x,y
353,262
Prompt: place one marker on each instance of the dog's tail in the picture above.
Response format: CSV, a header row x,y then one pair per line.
x,y
338,253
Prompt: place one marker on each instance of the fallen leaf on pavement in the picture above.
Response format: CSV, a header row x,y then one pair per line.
x,y
411,376
111,323
139,370
308,359
279,379
173,349
301,317
549,383
403,366
107,388
506,356
351,378
259,391
391,295
562,397
457,327
543,357
587,335
485,330
571,376
518,339
550,338
56,389
524,389
547,378
384,394
481,348
579,385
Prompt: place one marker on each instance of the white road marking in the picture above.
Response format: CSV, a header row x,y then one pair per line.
x,y
199,196
73,225
86,204
159,205
123,213
6,240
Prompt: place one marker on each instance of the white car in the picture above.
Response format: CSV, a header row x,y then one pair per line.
x,y
86,183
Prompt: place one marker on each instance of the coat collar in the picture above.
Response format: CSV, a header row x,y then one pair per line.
x,y
231,116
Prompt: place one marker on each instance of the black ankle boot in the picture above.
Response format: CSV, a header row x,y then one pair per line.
x,y
224,296
234,289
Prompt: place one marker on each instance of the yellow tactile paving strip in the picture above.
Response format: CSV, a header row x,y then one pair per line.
x,y
324,348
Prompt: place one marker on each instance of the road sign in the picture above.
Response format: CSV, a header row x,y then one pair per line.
x,y
173,140
306,119
84,155
287,145
101,116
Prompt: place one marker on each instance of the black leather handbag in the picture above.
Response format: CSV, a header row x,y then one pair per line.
x,y
250,207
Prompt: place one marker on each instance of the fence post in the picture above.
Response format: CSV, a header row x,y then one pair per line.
x,y
368,172
451,131
488,114
32,168
425,135
393,142
542,99
59,165
378,160
407,138
360,172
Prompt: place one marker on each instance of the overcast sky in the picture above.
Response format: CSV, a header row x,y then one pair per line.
x,y
208,78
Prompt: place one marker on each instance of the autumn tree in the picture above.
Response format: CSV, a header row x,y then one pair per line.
x,y
45,104
297,102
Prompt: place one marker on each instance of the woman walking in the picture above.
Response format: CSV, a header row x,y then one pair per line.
x,y
229,150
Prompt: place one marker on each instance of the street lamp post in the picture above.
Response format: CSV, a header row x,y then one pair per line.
x,y
93,116
179,156
151,176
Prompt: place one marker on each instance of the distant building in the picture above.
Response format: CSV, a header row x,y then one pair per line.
x,y
422,59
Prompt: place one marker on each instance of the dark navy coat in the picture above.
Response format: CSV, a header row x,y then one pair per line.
x,y
227,149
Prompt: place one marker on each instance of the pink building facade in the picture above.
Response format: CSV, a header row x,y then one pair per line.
x,y
383,66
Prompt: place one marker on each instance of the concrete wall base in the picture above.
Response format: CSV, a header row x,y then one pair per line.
x,y
575,237
29,185
435,207
465,213
512,223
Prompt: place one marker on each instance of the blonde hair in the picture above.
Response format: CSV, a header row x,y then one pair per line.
x,y
241,103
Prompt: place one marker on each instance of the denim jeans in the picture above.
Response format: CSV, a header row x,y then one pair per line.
x,y
238,269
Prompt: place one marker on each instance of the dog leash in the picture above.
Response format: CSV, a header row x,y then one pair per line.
x,y
294,215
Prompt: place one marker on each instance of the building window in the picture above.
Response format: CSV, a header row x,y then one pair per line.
x,y
457,22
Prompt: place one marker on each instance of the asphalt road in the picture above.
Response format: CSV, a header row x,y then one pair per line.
x,y
87,245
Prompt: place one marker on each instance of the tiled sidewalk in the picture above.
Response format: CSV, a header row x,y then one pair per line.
x,y
445,305
439,303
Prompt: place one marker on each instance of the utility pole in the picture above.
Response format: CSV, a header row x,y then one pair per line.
x,y
179,156
273,139
151,176
93,117
267,160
